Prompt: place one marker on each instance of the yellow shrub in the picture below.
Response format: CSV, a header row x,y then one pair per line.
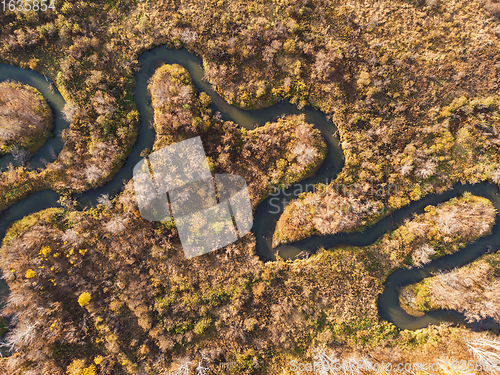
x,y
98,359
45,250
30,274
84,299
77,368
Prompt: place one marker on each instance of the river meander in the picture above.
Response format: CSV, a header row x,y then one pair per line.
x,y
264,219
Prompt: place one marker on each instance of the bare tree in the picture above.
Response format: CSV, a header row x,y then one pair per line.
x,y
72,237
427,169
116,224
422,254
201,369
495,176
104,200
326,361
182,366
20,154
304,153
24,334
92,173
69,110
486,350
406,169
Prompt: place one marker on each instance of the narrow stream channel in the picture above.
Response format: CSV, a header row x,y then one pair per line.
x,y
264,218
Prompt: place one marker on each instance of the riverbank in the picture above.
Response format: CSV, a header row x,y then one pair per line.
x,y
401,118
26,120
471,290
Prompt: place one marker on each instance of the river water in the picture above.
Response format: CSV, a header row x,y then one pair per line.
x,y
266,214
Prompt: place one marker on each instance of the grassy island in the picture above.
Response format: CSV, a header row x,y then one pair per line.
x,y
25,119
412,87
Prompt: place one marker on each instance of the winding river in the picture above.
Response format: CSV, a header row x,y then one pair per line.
x,y
264,219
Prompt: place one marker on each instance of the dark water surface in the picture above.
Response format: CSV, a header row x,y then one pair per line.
x,y
268,212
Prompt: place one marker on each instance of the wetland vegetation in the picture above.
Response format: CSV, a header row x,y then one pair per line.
x,y
410,86
26,120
